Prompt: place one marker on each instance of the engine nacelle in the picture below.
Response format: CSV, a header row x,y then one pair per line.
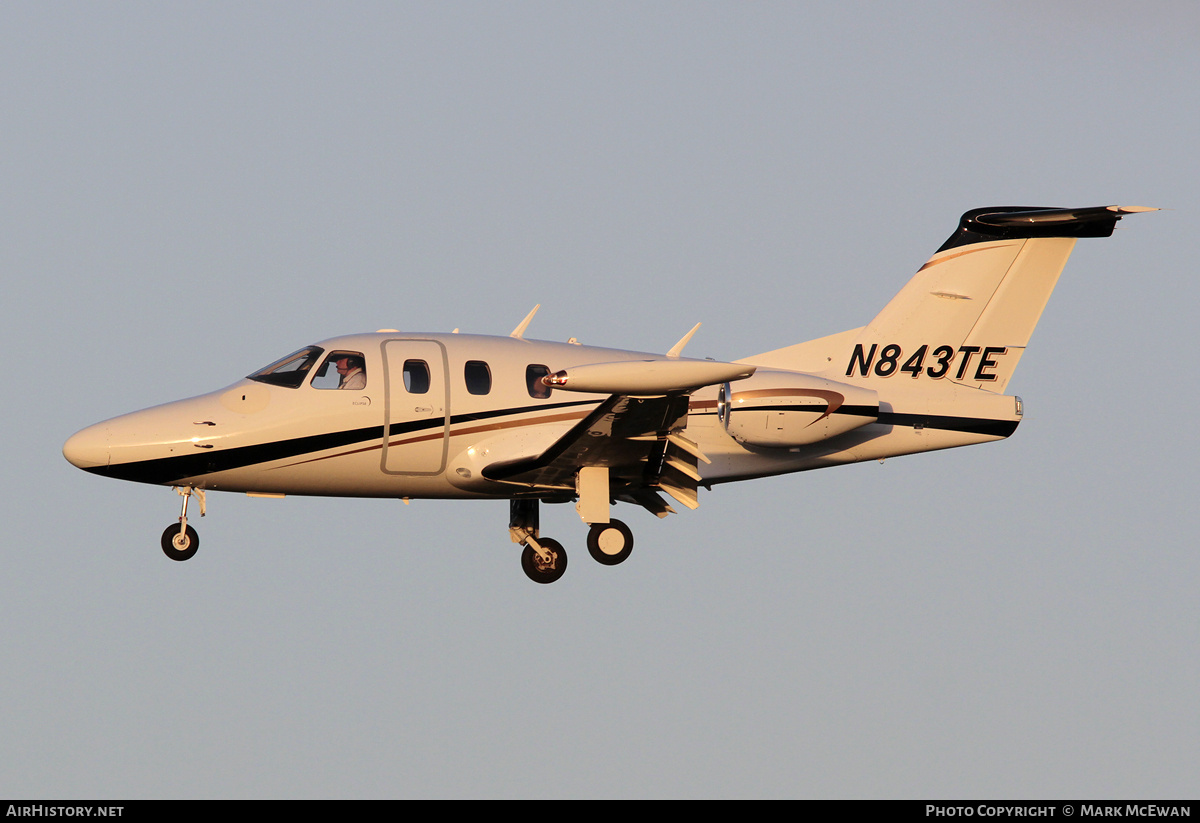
x,y
783,409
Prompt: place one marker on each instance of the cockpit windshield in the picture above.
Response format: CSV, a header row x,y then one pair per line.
x,y
290,371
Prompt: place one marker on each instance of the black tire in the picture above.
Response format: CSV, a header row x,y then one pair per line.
x,y
610,543
179,547
539,572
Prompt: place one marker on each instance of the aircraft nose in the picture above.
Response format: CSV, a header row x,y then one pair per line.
x,y
88,449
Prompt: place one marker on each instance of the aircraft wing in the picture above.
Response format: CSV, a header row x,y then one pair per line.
x,y
633,433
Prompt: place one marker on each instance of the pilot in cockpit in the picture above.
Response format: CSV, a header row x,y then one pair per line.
x,y
350,370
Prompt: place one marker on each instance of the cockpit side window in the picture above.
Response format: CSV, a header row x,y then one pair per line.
x,y
533,381
290,371
416,376
342,370
478,377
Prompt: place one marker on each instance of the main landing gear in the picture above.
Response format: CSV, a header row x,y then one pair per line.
x,y
180,542
610,543
544,560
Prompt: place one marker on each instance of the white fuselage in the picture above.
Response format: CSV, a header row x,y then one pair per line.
x,y
432,437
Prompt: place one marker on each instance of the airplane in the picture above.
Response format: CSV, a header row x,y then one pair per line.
x,y
461,416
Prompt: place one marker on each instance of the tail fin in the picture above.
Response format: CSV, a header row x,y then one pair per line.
x,y
967,314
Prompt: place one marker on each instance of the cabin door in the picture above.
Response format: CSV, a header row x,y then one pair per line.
x,y
417,411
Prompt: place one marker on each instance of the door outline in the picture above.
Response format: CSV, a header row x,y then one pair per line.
x,y
398,403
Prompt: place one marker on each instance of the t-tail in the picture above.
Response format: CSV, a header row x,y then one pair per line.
x,y
938,358
967,315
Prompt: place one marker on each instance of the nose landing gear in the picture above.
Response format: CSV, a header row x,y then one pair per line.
x,y
180,542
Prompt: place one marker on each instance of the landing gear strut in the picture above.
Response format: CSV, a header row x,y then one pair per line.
x,y
180,542
543,560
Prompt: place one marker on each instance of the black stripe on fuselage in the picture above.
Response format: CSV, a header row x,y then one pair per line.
x,y
167,470
969,425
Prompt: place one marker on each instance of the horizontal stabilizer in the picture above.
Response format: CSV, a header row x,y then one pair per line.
x,y
1019,222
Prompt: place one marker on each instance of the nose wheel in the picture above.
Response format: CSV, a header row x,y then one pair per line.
x,y
180,543
179,540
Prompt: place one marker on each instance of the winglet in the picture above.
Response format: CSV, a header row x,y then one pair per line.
x,y
677,349
519,331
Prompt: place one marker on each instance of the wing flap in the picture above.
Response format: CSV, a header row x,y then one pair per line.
x,y
626,434
635,433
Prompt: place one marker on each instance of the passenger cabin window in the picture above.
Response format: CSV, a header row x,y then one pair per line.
x,y
342,370
533,381
478,377
416,376
290,371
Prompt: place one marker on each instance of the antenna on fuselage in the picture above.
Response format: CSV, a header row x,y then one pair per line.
x,y
677,349
519,331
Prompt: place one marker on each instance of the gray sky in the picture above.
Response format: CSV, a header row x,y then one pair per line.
x,y
189,191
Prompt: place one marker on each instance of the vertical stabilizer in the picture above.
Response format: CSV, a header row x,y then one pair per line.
x,y
967,315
